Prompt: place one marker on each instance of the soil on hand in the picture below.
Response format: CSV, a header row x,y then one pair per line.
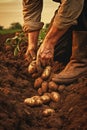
x,y
16,84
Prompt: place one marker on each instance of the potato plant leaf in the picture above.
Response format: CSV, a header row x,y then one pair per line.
x,y
15,42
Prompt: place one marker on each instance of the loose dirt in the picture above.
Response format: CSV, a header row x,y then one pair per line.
x,y
16,85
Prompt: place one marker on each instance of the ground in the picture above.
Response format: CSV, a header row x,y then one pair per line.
x,y
16,85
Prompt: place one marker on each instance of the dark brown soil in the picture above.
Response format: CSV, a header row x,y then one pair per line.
x,y
16,85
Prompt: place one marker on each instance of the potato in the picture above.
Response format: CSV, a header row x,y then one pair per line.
x,y
32,67
48,112
33,101
45,98
44,86
29,101
40,92
55,96
38,102
46,73
52,86
38,82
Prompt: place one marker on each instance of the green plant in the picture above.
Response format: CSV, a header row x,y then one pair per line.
x,y
15,42
42,35
15,26
20,37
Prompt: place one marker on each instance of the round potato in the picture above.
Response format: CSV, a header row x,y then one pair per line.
x,y
38,82
32,67
48,112
52,86
46,73
55,96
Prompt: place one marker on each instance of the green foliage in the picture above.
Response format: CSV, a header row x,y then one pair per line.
x,y
20,37
47,25
42,35
15,42
9,31
43,32
15,26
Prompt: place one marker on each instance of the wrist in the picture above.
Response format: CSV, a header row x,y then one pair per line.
x,y
33,38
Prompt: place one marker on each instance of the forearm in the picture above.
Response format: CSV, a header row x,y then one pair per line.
x,y
33,38
54,34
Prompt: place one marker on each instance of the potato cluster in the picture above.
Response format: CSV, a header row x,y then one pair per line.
x,y
47,89
44,99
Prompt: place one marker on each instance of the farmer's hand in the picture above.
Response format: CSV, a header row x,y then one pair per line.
x,y
45,54
30,53
32,46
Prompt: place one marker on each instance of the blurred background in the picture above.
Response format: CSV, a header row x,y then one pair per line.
x,y
11,12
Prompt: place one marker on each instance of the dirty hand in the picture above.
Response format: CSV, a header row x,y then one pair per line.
x,y
30,53
45,54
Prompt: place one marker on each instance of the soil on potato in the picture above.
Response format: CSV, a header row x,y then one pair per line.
x,y
16,85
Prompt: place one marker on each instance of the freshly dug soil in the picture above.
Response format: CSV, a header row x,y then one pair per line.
x,y
16,85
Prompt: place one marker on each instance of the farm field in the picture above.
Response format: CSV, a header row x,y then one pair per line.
x,y
16,84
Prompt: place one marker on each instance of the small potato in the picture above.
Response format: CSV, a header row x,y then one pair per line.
x,y
48,112
44,86
38,82
52,86
32,67
40,92
46,73
45,98
33,101
29,101
55,96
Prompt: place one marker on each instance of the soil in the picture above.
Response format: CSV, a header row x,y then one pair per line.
x,y
16,84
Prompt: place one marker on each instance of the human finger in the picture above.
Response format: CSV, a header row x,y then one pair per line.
x,y
33,54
